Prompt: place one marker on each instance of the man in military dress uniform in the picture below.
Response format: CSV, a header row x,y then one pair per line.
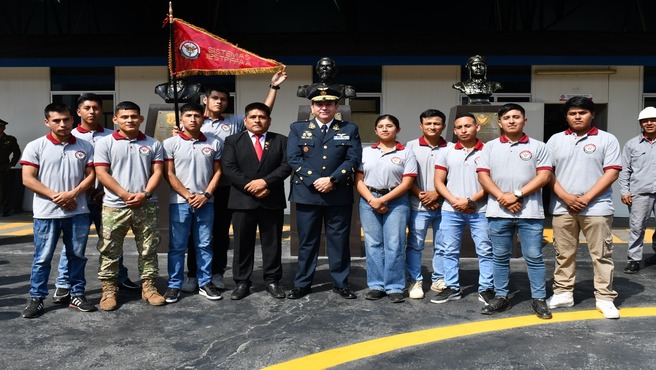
x,y
323,154
10,153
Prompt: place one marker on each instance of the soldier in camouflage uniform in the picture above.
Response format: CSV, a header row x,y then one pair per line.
x,y
129,164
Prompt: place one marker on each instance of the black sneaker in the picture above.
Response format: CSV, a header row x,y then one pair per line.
x,y
448,294
80,302
540,308
210,292
129,285
496,305
172,295
61,296
632,267
34,309
486,295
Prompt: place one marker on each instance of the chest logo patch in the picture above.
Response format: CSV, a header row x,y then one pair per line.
x,y
144,150
225,127
589,149
207,151
525,155
80,154
397,160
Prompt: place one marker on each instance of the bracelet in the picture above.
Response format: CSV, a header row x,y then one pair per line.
x,y
274,87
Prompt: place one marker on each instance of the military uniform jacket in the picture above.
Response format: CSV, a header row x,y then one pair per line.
x,y
311,156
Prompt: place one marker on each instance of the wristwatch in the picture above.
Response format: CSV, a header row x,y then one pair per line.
x,y
518,193
274,87
148,194
471,203
207,195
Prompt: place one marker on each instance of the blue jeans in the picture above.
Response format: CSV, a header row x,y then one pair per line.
x,y
384,240
530,232
452,227
418,224
95,217
75,232
185,220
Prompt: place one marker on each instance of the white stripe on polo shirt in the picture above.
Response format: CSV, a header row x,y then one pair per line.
x,y
461,178
426,156
130,163
387,170
579,162
62,167
512,165
193,160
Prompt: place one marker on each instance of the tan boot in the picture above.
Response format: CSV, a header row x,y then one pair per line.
x,y
108,299
149,293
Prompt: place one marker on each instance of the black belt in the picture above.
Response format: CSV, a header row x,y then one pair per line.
x,y
380,191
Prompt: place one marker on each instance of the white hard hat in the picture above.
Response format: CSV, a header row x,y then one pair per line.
x,y
649,112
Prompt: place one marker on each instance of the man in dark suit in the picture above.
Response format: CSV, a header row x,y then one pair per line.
x,y
323,154
255,163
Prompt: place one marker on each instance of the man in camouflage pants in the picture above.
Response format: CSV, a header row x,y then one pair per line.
x,y
129,164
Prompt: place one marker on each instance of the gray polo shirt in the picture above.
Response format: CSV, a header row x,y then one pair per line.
x,y
193,161
91,136
512,165
130,163
461,178
638,174
579,162
61,167
387,170
425,155
222,128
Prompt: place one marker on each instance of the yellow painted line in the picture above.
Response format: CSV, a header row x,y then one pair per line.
x,y
357,351
14,225
19,233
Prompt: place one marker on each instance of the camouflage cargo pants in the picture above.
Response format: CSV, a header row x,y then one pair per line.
x,y
116,222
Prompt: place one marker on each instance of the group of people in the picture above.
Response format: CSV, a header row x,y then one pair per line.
x,y
230,170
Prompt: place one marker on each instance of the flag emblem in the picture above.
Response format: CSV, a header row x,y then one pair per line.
x,y
190,50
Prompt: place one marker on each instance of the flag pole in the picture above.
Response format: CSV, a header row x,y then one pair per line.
x,y
172,77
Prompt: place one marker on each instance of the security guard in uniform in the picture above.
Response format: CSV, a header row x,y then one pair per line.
x,y
324,154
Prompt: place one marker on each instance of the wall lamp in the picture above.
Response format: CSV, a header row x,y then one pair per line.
x,y
575,71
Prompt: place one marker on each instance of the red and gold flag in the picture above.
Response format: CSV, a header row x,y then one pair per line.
x,y
198,52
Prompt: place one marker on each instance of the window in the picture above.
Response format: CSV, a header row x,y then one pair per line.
x,y
68,83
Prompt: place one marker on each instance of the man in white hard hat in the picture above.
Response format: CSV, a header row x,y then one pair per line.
x,y
638,187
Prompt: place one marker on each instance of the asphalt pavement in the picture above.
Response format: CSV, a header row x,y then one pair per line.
x,y
322,329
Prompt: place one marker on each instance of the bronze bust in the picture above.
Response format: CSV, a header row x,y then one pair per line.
x,y
477,88
187,92
326,69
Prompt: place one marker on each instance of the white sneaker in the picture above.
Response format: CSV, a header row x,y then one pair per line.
x,y
438,285
190,286
416,290
561,300
608,309
217,280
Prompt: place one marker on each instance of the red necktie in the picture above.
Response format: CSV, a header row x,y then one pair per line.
x,y
258,147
